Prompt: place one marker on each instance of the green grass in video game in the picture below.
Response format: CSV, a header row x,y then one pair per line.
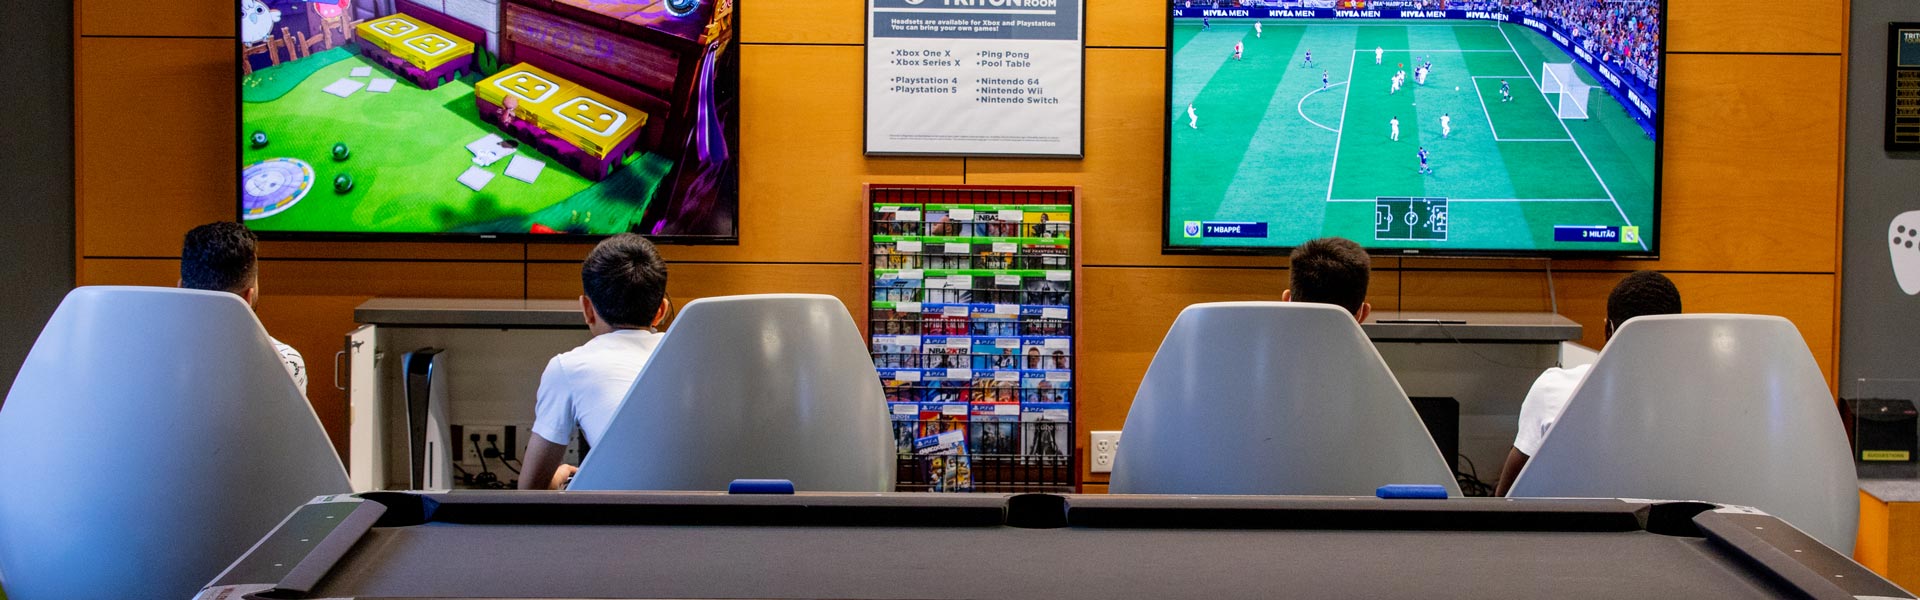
x,y
1275,144
406,150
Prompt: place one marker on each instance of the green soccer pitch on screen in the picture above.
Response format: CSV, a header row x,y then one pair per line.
x,y
1428,127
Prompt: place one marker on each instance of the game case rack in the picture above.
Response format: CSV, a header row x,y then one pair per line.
x,y
972,327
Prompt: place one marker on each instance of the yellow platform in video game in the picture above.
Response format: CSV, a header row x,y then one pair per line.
x,y
420,44
585,118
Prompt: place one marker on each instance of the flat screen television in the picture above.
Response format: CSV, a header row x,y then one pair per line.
x,y
1438,127
507,119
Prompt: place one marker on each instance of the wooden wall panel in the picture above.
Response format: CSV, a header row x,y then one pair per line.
x,y
789,22
210,18
1130,23
156,141
1737,26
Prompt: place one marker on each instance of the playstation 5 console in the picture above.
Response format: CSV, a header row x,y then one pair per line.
x,y
429,434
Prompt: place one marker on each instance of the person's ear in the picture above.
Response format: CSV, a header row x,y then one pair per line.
x,y
251,294
666,304
586,310
1607,333
1286,295
1366,308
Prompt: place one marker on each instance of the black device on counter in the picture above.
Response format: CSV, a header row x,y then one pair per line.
x,y
1883,430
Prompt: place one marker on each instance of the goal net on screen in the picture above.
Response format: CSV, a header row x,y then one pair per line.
x,y
1561,80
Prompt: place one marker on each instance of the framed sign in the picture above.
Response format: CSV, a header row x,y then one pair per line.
x,y
1903,87
975,77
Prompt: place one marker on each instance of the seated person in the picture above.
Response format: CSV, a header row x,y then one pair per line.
x,y
626,297
1641,293
220,257
1330,270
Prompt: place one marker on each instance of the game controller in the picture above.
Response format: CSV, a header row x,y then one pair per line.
x,y
1903,242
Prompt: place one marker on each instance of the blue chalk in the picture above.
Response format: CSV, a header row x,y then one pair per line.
x,y
767,486
1401,490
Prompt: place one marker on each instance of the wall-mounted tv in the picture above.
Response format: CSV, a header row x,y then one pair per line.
x,y
1441,127
489,119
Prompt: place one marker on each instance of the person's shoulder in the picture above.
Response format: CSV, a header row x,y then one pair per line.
x,y
284,350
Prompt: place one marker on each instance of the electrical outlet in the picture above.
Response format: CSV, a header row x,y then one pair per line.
x,y
470,450
1106,445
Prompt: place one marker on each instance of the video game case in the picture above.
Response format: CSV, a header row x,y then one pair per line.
x,y
1046,387
949,468
1046,352
939,417
995,319
995,428
902,318
1042,223
940,222
1046,292
902,385
1045,429
896,289
946,318
1045,256
995,352
1046,321
991,386
896,219
896,352
949,289
906,425
946,352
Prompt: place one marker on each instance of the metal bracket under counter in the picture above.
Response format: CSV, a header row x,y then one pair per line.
x,y
1476,327
471,313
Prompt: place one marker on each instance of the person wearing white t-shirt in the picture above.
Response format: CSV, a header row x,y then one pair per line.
x,y
1640,294
222,257
625,282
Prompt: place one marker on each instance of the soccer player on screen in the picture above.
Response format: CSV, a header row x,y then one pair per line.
x,y
1378,54
1193,119
1506,93
1395,123
1256,29
1309,61
1206,24
1237,49
1323,79
1424,169
1446,124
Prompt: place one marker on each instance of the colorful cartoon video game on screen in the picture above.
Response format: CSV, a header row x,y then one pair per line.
x,y
490,117
1517,127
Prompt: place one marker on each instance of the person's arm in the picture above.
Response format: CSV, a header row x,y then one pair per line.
x,y
1509,470
542,468
553,419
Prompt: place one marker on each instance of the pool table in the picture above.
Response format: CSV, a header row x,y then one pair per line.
x,y
506,544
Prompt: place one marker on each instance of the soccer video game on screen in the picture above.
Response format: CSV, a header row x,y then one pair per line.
x,y
488,119
1422,126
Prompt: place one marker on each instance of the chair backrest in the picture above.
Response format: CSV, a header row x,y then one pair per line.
x,y
774,386
1721,408
1272,398
151,437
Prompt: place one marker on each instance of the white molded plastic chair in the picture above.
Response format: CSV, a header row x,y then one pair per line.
x,y
1272,398
151,438
776,386
1721,408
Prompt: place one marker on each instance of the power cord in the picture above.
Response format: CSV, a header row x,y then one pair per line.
x,y
493,447
486,479
1470,483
